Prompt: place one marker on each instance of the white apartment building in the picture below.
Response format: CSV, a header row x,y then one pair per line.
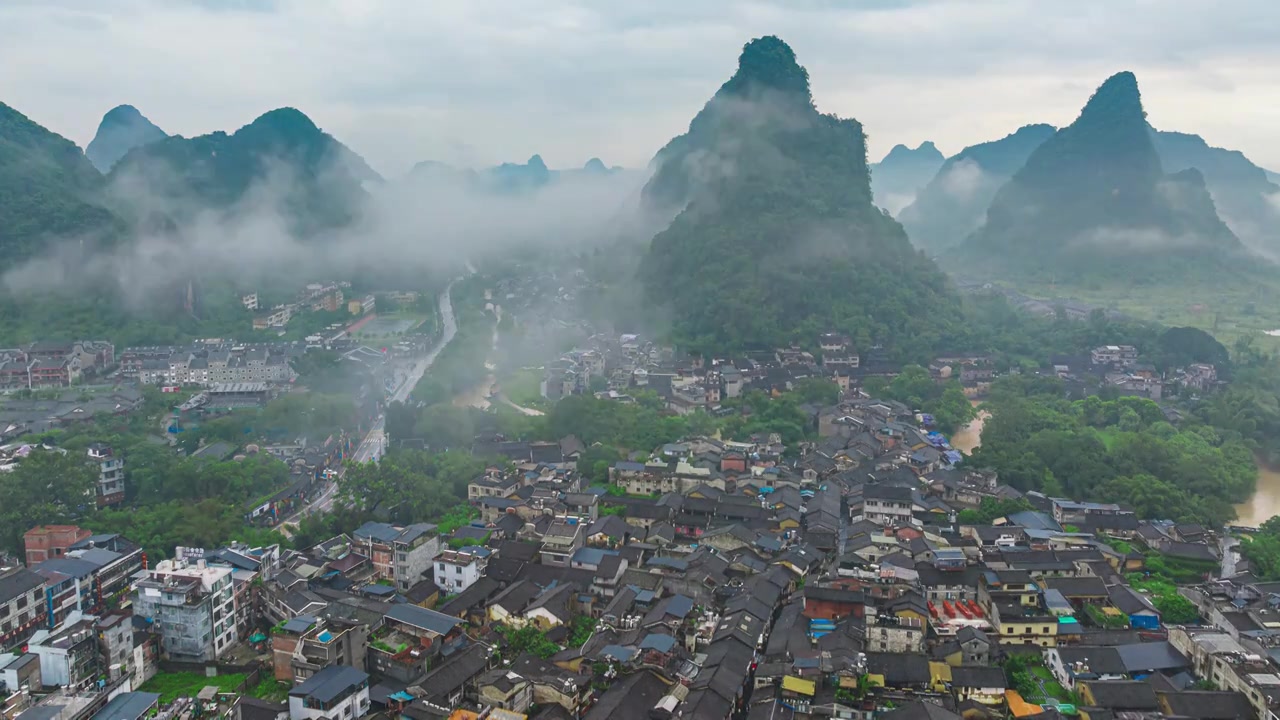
x,y
457,570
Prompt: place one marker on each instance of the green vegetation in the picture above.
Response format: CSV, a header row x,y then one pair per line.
x,y
48,487
581,628
271,690
1105,619
1174,608
456,517
48,190
411,485
1262,550
991,509
524,387
946,402
173,685
1037,440
158,528
788,245
528,639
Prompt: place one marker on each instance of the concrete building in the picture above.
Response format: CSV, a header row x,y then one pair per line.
x,y
191,608
399,554
43,542
110,488
69,653
91,576
22,608
337,692
457,570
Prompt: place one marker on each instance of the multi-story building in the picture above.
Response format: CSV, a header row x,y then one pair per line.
x,y
44,542
191,608
1015,606
21,605
69,653
412,641
90,577
399,554
306,645
110,489
1121,355
457,570
115,643
211,363
886,504
337,692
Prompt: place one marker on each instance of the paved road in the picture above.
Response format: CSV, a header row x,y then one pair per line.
x,y
1229,556
375,441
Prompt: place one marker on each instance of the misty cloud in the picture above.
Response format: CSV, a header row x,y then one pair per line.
x,y
429,222
964,179
446,80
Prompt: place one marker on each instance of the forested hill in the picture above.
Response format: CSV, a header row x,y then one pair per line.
x,y
1094,200
954,202
291,165
776,237
897,178
122,129
48,190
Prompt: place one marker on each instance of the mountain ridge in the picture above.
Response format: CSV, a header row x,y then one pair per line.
x,y
774,237
1093,198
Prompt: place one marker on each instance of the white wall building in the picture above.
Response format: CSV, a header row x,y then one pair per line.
x,y
457,570
337,692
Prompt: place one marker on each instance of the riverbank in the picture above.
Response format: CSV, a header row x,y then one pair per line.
x,y
1265,502
970,436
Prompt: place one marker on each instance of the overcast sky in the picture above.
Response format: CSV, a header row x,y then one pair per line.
x,y
476,82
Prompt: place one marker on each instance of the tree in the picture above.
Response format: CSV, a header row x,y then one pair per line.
x,y
47,487
528,639
817,390
445,426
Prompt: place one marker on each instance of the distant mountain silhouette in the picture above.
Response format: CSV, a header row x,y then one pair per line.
x,y
1094,200
897,178
292,164
954,202
122,129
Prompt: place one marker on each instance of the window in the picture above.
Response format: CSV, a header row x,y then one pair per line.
x,y
22,602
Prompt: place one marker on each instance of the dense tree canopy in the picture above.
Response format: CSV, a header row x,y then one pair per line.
x,y
1121,451
48,487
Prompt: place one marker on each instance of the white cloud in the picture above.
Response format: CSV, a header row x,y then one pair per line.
x,y
477,83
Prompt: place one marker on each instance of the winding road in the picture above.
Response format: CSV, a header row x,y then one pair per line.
x,y
375,441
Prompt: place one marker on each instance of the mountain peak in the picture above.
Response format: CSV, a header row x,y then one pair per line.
x,y
1088,194
536,162
285,118
1116,98
122,114
595,165
768,63
122,129
927,152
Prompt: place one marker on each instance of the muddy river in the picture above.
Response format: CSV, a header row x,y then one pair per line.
x,y
970,436
1265,502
